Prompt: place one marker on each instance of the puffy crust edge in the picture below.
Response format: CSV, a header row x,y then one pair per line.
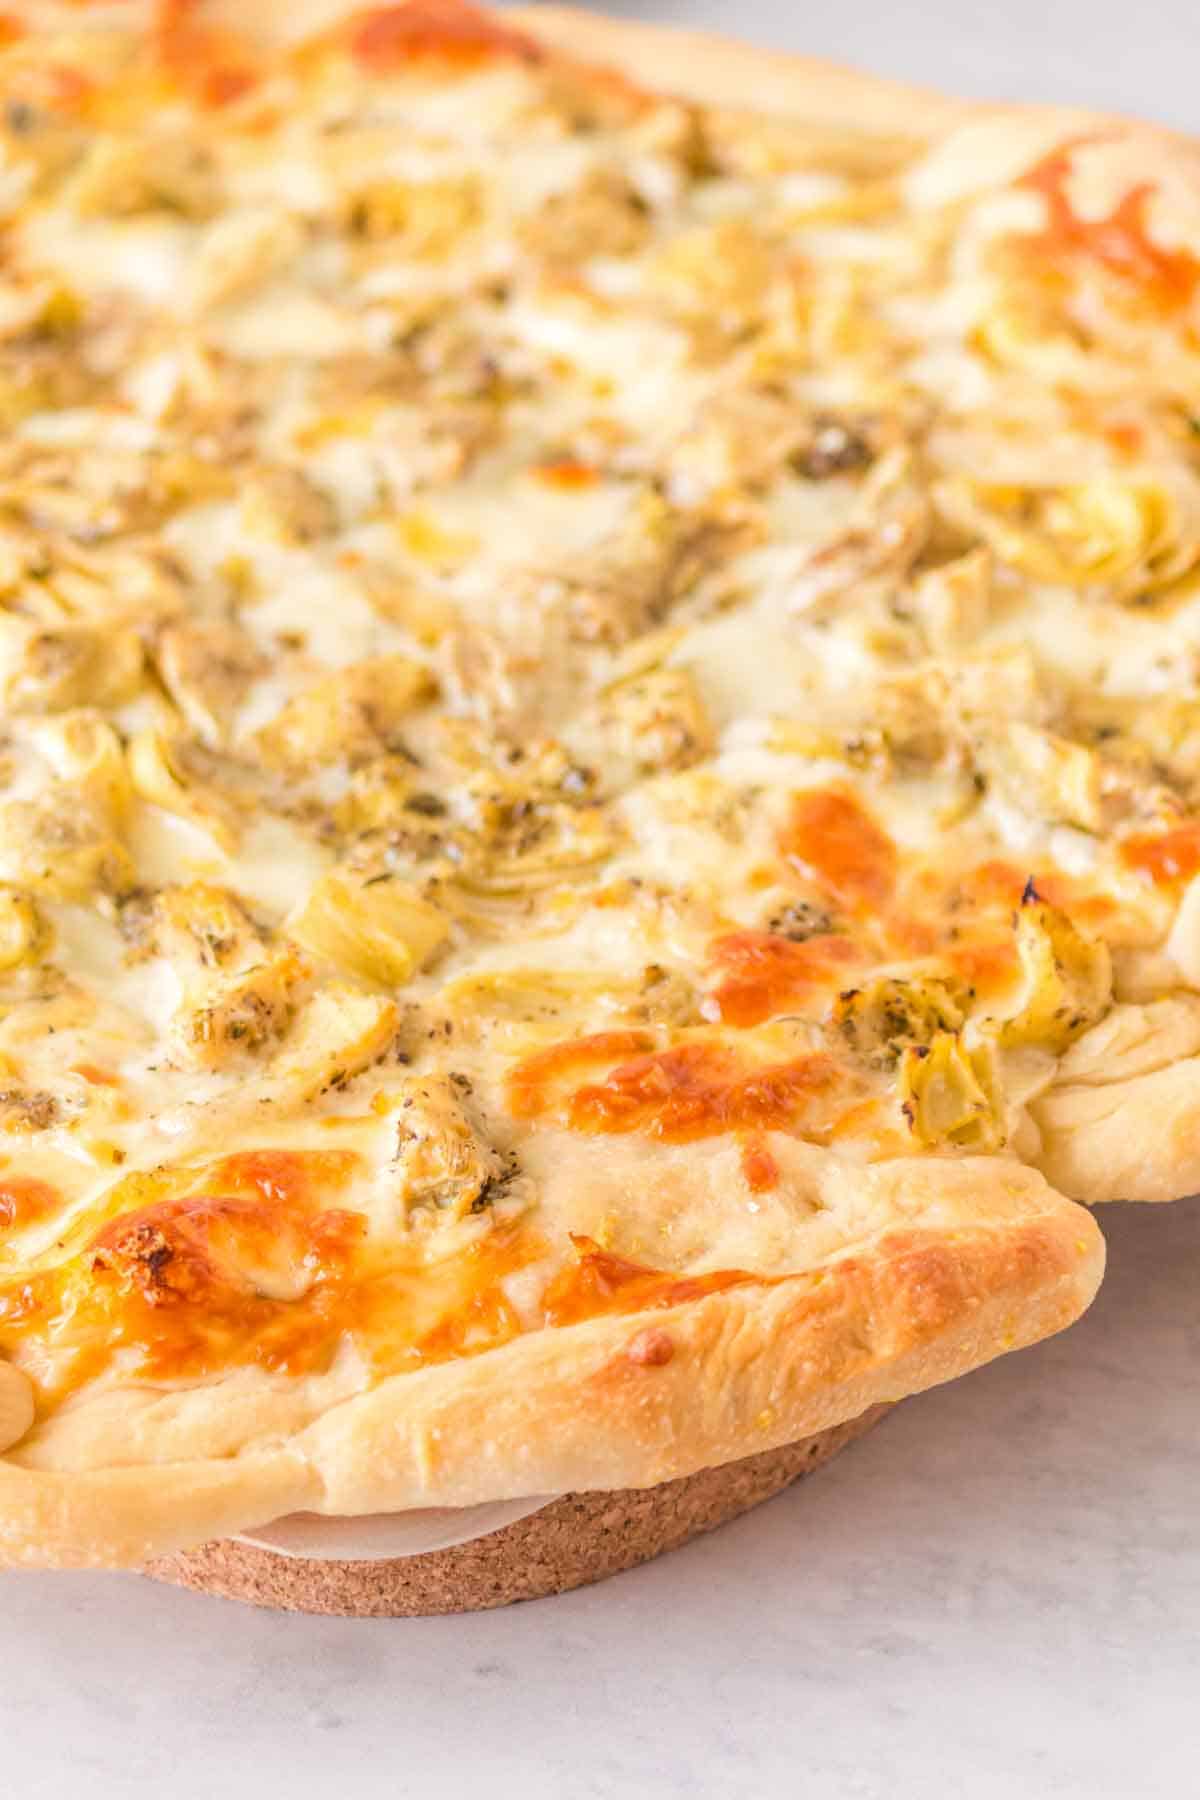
x,y
587,1407
1132,1139
728,72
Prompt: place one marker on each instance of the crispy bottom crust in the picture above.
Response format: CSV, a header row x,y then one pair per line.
x,y
576,1540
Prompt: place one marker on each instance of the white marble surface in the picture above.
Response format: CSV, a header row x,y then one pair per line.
x,y
996,1595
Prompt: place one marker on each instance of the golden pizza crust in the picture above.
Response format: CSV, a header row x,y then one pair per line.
x,y
999,1262
576,1540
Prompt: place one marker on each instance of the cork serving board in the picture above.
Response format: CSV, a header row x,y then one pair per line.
x,y
578,1539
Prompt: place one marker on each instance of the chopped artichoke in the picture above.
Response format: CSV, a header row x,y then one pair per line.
x,y
442,1159
891,1015
349,716
22,931
1159,731
603,215
241,1012
386,795
1042,773
911,713
658,721
659,556
86,755
741,439
889,529
25,1110
282,504
948,1095
206,666
408,602
378,928
522,1001
795,737
50,670
237,253
121,176
665,997
525,996
61,845
1067,979
417,218
337,1033
722,270
537,848
1131,538
197,927
951,603
161,776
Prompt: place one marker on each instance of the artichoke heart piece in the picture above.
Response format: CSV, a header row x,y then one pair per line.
x,y
1162,730
284,506
1129,537
1067,979
237,253
443,1159
797,737
86,755
62,846
560,841
52,669
404,600
889,529
120,178
602,216
349,716
159,773
378,928
23,933
242,1012
206,665
1000,684
1039,771
882,1020
525,1004
426,219
526,996
948,1095
658,721
197,926
951,603
911,712
337,1034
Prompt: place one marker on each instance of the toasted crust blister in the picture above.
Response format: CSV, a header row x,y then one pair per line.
x,y
928,1266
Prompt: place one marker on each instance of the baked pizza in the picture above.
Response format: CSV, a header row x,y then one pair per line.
x,y
599,826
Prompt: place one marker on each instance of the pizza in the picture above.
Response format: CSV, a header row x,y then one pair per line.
x,y
599,831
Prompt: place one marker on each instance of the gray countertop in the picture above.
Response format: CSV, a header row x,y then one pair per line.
x,y
997,1594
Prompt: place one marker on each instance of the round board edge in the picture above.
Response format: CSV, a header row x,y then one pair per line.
x,y
578,1539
